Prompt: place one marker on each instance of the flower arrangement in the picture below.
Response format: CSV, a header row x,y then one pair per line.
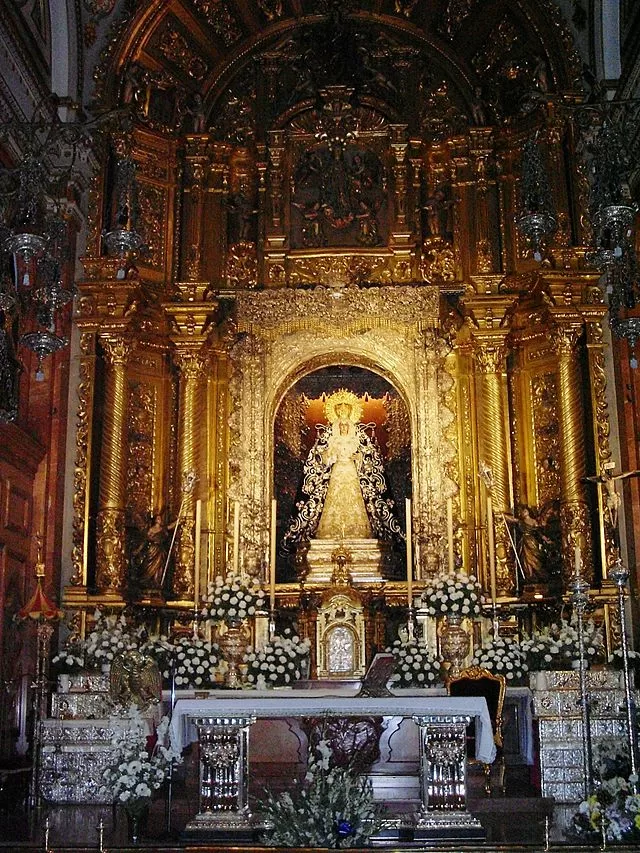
x,y
452,595
232,597
616,661
195,662
557,646
502,656
333,808
162,650
111,635
279,663
612,811
414,665
136,771
69,659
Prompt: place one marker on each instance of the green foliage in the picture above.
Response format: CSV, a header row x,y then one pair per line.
x,y
332,807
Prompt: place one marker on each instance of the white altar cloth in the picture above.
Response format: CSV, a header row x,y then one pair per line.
x,y
277,704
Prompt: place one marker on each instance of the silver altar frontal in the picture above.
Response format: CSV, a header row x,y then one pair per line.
x,y
221,724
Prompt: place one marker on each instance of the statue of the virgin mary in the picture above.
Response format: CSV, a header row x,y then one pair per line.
x,y
344,482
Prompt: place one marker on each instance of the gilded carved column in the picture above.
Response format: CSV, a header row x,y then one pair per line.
x,y
190,363
110,522
574,511
494,448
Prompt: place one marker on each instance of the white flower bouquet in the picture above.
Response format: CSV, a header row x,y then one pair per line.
x,y
137,771
452,595
195,662
233,597
414,665
333,807
69,659
111,635
503,656
557,646
281,662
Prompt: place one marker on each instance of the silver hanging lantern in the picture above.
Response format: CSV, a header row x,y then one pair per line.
x,y
536,221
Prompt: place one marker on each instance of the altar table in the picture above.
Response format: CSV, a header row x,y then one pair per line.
x,y
221,724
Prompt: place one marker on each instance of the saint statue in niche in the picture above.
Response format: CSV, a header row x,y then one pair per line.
x,y
344,482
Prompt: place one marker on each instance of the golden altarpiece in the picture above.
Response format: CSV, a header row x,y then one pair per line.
x,y
315,224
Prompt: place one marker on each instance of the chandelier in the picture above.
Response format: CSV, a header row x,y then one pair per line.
x,y
47,156
603,126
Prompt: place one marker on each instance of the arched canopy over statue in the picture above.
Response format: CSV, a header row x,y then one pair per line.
x,y
344,486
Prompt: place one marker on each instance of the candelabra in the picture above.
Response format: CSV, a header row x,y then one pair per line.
x,y
580,598
619,575
537,220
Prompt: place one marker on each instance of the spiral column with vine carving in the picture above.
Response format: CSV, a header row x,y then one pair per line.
x,y
574,511
190,363
493,440
110,522
601,423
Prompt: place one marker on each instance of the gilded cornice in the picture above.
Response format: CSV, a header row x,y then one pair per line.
x,y
189,322
290,310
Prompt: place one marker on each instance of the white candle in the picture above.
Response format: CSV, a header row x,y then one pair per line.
x,y
492,549
236,537
196,557
272,558
578,560
409,554
450,535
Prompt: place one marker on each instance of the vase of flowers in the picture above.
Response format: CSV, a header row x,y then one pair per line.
x,y
111,635
414,664
137,770
503,656
453,598
193,661
280,663
557,647
232,598
233,640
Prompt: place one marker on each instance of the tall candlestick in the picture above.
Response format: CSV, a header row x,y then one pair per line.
x,y
236,537
492,549
450,535
578,560
196,556
272,558
409,554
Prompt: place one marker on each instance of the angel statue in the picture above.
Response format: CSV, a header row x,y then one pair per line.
x,y
344,482
135,680
534,541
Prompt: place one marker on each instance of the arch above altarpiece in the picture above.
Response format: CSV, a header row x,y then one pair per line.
x,y
284,334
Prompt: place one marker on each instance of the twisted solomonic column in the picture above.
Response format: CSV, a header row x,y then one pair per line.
x,y
190,363
110,545
574,510
494,449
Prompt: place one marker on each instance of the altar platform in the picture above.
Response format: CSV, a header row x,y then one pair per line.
x,y
515,822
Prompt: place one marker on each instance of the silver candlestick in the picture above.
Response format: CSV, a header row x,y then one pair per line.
x,y
580,598
620,575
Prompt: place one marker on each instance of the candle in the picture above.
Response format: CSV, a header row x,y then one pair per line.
x,y
196,558
236,537
450,535
578,560
409,555
492,549
272,559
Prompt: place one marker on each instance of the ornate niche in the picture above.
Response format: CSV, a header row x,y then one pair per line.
x,y
286,335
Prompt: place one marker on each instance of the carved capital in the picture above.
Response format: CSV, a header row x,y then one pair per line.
x,y
490,357
189,362
116,350
564,339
